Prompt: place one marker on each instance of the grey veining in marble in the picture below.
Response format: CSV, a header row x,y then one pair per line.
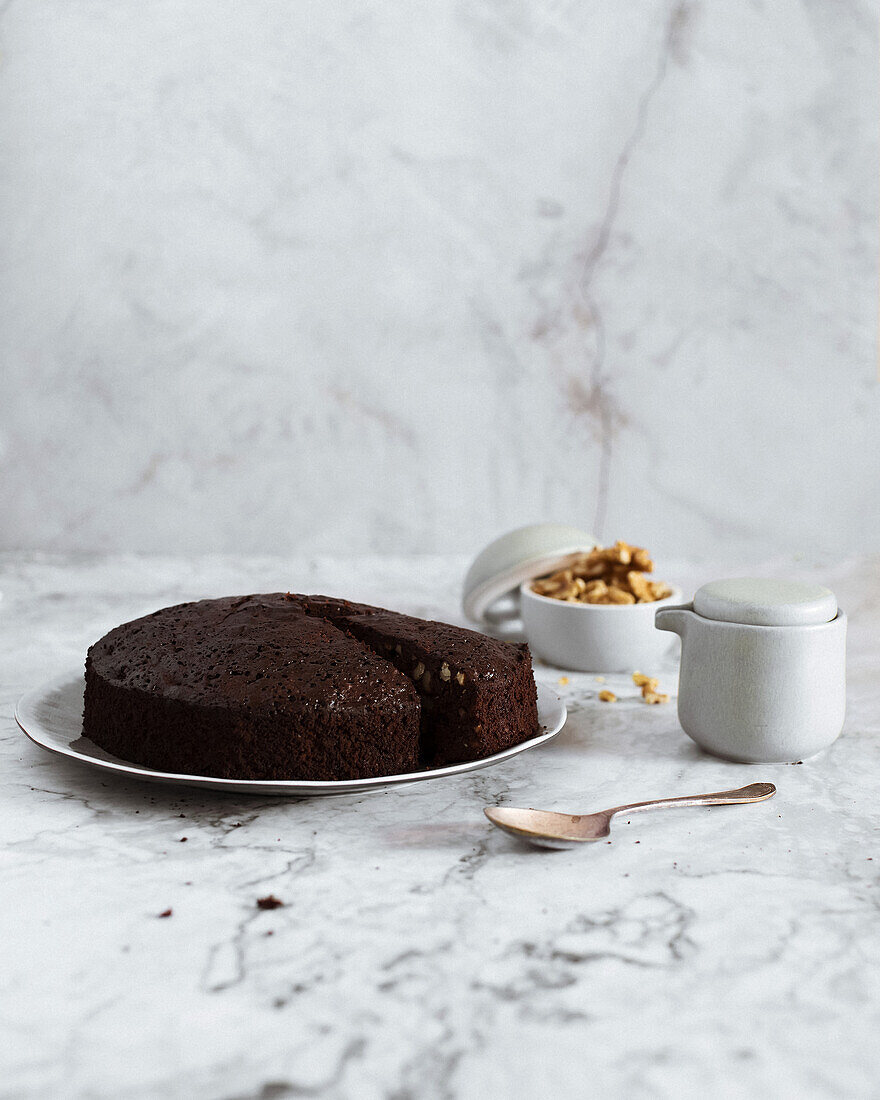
x,y
281,276
420,953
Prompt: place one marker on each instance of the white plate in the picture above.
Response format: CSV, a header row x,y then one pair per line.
x,y
51,716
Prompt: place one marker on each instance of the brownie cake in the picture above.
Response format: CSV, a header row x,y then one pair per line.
x,y
303,687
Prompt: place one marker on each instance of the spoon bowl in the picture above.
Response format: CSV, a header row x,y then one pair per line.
x,y
548,829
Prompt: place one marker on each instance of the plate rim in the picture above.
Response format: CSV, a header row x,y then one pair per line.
x,y
28,701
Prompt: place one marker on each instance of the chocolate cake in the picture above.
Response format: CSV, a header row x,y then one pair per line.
x,y
285,686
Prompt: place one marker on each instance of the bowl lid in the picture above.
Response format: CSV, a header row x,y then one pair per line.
x,y
757,601
516,557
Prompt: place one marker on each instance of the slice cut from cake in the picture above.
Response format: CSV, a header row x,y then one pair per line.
x,y
478,694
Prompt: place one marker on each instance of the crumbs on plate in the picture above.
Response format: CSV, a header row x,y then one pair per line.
x,y
611,575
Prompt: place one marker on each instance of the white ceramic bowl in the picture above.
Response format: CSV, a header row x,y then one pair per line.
x,y
590,637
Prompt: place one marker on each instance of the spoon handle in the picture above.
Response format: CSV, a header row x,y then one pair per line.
x,y
754,792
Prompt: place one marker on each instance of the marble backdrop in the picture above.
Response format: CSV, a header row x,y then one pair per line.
x,y
283,276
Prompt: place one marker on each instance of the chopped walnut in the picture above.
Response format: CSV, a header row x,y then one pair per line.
x,y
613,575
649,685
607,696
639,585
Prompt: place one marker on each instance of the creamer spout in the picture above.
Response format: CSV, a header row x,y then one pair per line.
x,y
675,619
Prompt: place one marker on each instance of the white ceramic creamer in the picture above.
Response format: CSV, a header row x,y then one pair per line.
x,y
763,666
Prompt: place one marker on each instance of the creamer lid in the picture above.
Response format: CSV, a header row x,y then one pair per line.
x,y
757,601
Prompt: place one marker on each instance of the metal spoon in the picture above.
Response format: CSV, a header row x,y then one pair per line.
x,y
552,830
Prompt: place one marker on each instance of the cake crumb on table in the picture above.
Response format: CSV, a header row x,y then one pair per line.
x,y
269,902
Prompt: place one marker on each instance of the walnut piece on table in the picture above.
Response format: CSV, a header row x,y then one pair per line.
x,y
649,685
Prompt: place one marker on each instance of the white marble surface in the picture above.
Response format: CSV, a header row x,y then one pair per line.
x,y
316,277
728,952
